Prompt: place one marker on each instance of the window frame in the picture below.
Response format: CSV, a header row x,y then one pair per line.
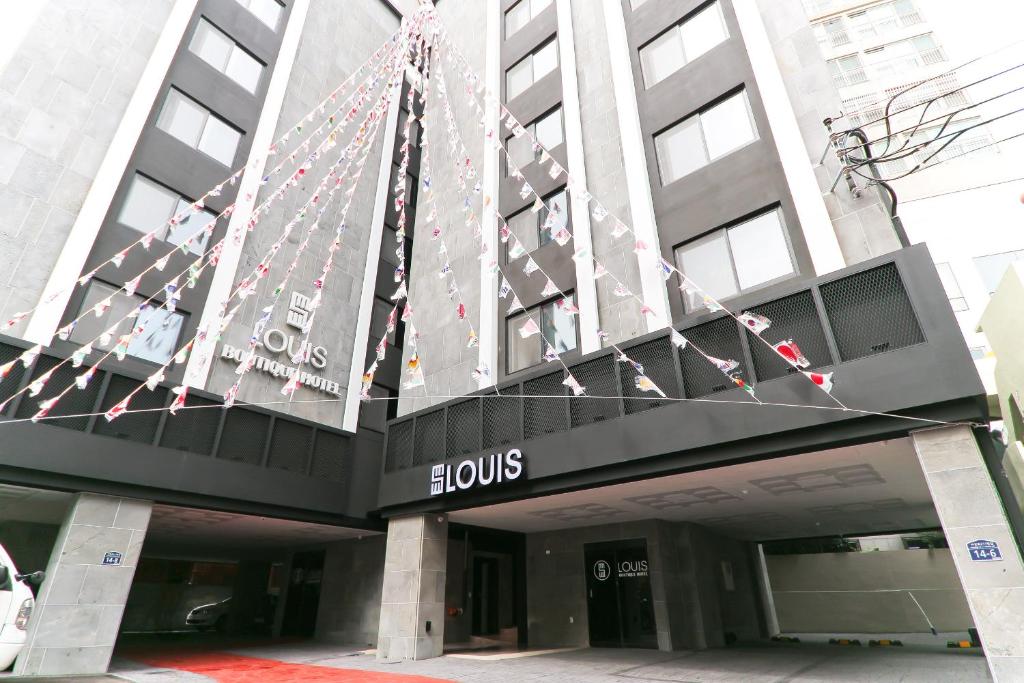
x,y
165,228
531,15
708,160
531,57
677,27
531,129
539,221
247,4
209,114
724,231
236,47
539,310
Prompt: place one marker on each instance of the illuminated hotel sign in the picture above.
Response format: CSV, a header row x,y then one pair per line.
x,y
476,472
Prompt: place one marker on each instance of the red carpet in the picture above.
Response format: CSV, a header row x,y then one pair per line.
x,y
229,668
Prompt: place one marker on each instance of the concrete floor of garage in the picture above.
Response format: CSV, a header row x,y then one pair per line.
x,y
923,658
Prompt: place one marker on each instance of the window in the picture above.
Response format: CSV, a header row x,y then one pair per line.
x,y
225,55
847,71
728,261
197,127
379,322
700,139
537,229
977,352
558,329
374,414
952,287
633,4
548,132
521,13
531,69
267,11
161,328
682,44
148,206
992,267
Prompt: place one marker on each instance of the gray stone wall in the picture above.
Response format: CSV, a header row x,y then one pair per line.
x,y
606,177
862,224
337,38
62,96
446,360
79,607
350,594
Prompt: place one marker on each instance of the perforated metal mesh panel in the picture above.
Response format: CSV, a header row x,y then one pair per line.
x,y
245,434
720,339
793,317
870,313
598,376
399,456
544,415
75,402
463,428
9,385
193,430
140,427
289,446
501,422
429,444
659,366
330,457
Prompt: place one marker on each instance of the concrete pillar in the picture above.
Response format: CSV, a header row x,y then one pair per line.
x,y
78,611
413,595
970,510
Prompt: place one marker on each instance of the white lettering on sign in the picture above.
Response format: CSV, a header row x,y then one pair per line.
x,y
631,568
276,369
483,471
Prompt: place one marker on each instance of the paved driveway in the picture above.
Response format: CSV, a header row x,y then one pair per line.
x,y
768,663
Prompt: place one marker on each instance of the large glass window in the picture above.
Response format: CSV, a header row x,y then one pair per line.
x,y
731,260
535,229
557,331
952,287
149,205
682,43
215,48
267,11
548,132
197,127
520,14
700,139
992,267
531,69
161,331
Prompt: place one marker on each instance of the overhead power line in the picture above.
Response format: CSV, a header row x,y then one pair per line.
x,y
964,189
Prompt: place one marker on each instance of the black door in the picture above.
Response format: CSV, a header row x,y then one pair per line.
x,y
619,608
485,596
303,598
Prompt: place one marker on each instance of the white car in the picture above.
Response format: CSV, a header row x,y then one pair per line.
x,y
16,603
211,616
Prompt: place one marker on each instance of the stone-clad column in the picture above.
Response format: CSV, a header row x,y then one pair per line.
x,y
970,510
78,611
413,594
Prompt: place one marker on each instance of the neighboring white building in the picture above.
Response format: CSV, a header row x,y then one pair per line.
x,y
877,49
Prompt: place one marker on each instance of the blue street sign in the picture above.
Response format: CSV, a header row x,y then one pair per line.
x,y
112,557
984,551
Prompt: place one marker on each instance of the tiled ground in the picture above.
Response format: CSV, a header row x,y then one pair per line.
x,y
772,663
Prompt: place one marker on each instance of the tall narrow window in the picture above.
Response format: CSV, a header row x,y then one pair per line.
x,y
547,130
952,287
700,139
520,14
197,127
267,11
215,48
557,332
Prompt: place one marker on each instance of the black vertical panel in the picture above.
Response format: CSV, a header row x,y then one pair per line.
x,y
330,457
139,426
870,313
400,442
656,358
544,415
720,339
193,429
244,436
289,446
598,376
429,442
9,384
793,317
463,428
501,419
75,402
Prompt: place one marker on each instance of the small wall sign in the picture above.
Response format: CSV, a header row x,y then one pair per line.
x,y
602,570
112,557
984,551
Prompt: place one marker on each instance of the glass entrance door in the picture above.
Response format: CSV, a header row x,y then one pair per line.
x,y
620,612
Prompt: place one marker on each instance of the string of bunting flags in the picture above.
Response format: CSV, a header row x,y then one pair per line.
x,y
476,90
182,217
172,292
